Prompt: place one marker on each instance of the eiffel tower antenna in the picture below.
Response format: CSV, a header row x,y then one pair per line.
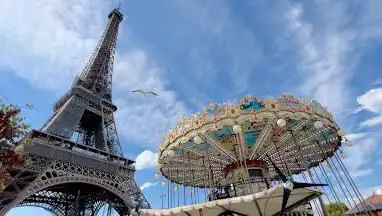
x,y
119,4
76,161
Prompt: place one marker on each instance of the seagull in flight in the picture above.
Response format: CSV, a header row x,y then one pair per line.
x,y
145,92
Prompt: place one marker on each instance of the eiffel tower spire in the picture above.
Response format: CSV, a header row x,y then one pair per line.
x,y
97,75
85,112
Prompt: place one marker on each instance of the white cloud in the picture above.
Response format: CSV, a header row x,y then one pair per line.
x,y
372,102
49,42
359,155
146,159
147,185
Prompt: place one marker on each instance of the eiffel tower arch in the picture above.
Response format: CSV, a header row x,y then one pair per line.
x,y
75,161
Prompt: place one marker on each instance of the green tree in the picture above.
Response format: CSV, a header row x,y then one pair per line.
x,y
12,130
336,209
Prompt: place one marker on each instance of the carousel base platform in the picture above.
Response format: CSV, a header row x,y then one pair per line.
x,y
264,203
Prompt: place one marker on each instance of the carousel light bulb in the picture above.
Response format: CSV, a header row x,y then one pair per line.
x,y
157,176
159,166
281,122
171,153
341,132
163,184
198,140
237,129
349,143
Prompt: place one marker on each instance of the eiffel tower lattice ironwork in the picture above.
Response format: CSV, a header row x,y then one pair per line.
x,y
76,164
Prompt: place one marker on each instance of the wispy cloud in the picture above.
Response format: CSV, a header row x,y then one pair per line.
x,y
372,122
329,48
356,136
360,173
147,185
323,58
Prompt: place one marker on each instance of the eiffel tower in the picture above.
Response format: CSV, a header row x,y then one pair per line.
x,y
75,161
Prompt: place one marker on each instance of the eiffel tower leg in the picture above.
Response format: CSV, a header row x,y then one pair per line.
x,y
66,119
77,209
59,179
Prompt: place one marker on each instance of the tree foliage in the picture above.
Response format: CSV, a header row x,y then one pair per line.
x,y
12,130
336,209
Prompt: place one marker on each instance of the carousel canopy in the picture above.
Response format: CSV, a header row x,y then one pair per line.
x,y
296,135
267,202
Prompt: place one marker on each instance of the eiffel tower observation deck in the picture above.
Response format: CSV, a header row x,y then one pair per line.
x,y
76,164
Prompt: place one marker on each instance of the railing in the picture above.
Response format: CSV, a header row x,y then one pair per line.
x,y
86,150
238,189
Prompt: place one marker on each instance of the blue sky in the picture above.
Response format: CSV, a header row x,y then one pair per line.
x,y
194,52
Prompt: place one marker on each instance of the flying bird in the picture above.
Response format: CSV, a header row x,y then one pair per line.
x,y
145,92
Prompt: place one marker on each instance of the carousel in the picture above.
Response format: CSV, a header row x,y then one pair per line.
x,y
275,156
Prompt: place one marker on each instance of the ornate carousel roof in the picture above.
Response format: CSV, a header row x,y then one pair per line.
x,y
296,134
